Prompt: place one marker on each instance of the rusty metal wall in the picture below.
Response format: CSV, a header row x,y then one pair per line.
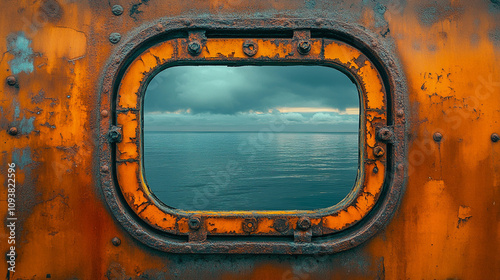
x,y
54,54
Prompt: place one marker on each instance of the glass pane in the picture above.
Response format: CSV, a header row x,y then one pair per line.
x,y
251,138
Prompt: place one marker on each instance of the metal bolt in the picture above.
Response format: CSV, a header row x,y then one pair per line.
x,y
115,37
104,113
378,151
304,47
319,21
194,47
384,134
11,80
249,225
400,113
304,223
495,137
250,48
104,169
116,241
194,223
117,10
13,131
437,137
114,134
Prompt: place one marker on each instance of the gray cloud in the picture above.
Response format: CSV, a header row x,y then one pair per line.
x,y
231,90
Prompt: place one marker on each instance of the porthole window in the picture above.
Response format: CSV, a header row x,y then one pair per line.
x,y
250,138
168,223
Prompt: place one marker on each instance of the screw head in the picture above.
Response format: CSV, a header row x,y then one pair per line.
x,y
116,241
384,134
115,37
194,223
11,80
437,137
117,10
378,151
250,48
13,131
304,223
495,137
304,47
194,47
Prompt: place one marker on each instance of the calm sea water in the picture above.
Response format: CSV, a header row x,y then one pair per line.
x,y
250,171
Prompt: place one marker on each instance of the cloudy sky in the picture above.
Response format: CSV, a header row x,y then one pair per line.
x,y
251,98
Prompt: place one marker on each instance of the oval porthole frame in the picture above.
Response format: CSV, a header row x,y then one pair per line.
x,y
381,178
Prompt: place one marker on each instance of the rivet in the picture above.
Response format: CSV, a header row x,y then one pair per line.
x,y
117,10
384,134
104,113
495,137
104,169
281,225
319,21
437,137
250,48
116,241
11,80
194,223
249,225
194,47
159,27
400,113
304,223
12,131
401,167
378,151
115,37
304,47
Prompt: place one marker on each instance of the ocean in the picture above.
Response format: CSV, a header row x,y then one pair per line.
x,y
250,170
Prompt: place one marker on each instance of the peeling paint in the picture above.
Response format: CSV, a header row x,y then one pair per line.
x,y
464,214
19,46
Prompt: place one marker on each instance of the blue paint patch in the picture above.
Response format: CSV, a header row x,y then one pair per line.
x,y
17,112
310,4
494,36
21,157
19,46
26,125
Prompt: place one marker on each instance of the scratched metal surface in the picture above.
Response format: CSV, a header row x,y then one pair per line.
x,y
446,227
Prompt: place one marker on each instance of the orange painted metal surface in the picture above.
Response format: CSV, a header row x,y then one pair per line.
x,y
446,226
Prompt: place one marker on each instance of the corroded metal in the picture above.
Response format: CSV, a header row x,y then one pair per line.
x,y
444,225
